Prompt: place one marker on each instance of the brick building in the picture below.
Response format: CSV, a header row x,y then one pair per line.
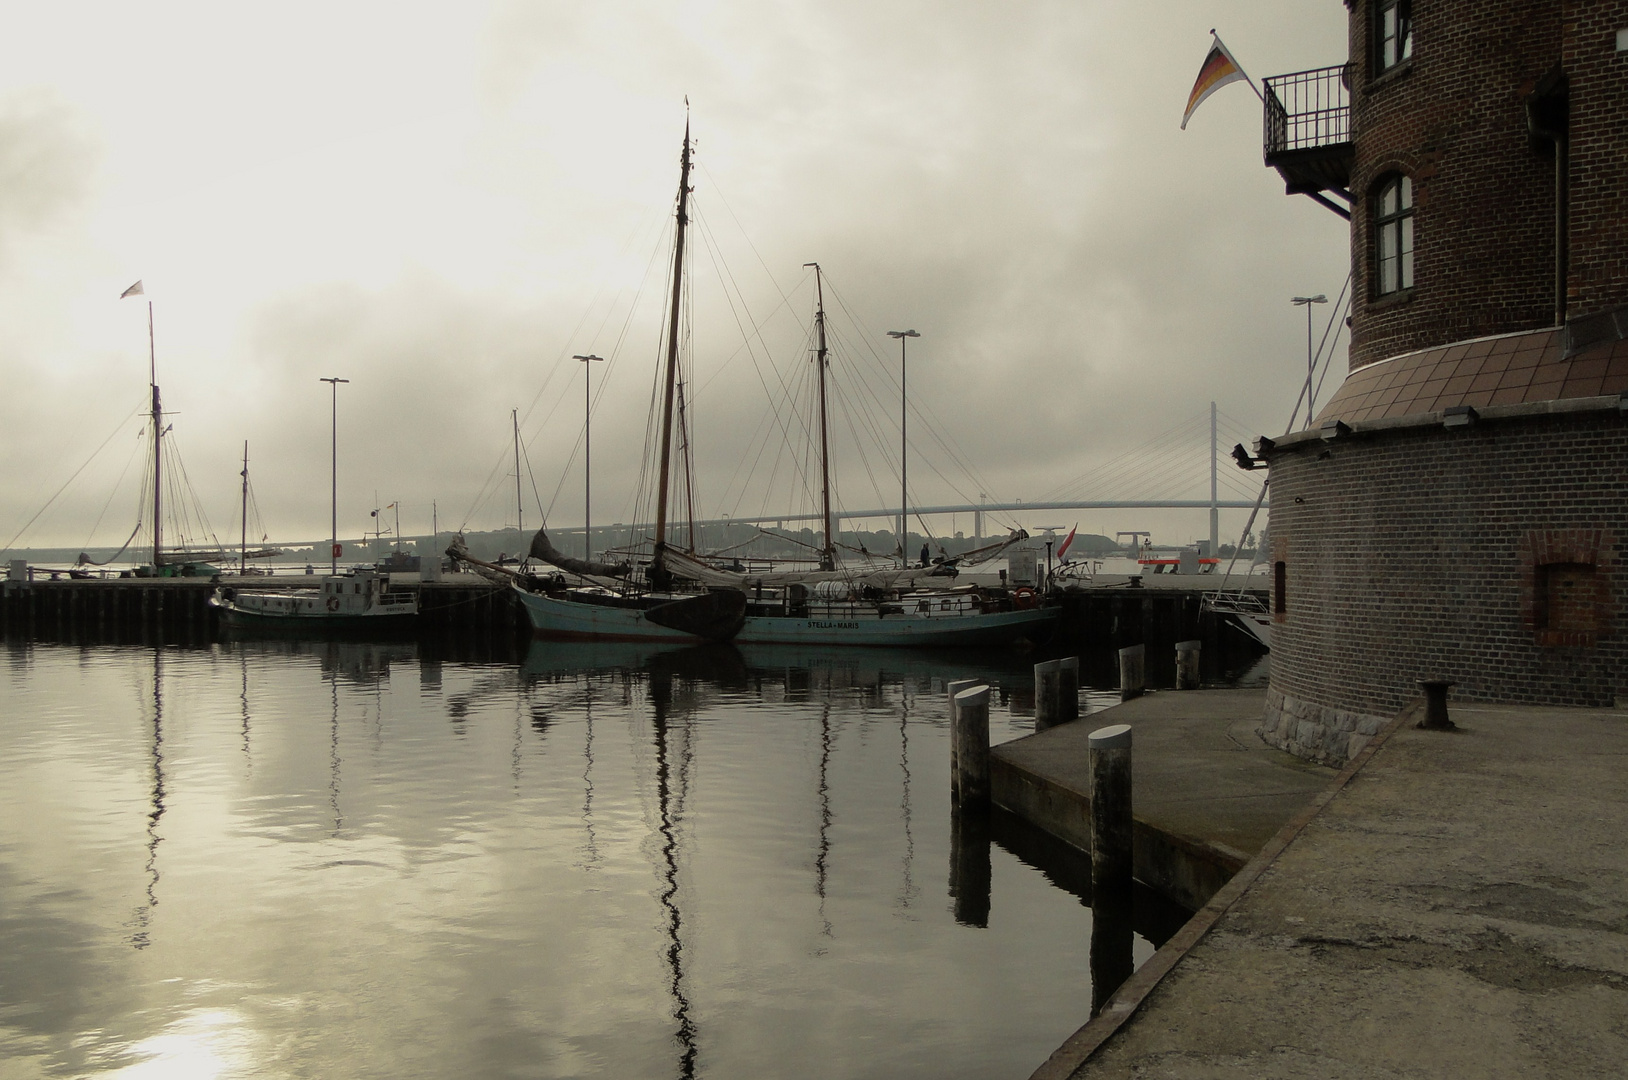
x,y
1459,508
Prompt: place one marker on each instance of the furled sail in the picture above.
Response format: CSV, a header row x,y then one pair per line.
x,y
542,549
691,569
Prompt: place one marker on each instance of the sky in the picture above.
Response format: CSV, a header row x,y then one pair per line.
x,y
444,203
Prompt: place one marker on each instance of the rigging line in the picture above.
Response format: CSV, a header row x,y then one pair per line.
x,y
113,493
928,419
801,389
786,446
94,453
885,409
717,189
774,403
206,530
1294,414
488,489
724,272
859,446
1328,362
651,216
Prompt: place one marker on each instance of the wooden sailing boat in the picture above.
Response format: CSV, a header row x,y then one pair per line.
x,y
689,599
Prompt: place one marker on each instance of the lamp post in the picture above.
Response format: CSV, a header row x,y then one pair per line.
x,y
587,451
1307,302
334,480
904,485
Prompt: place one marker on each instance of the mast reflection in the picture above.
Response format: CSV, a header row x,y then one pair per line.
x,y
661,696
823,854
144,914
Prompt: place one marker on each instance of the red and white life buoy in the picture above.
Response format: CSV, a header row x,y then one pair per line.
x,y
1023,598
333,603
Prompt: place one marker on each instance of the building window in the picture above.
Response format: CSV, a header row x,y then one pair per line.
x,y
1393,234
1393,33
1280,579
1564,604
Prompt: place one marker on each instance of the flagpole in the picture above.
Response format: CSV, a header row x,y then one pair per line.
x,y
1236,64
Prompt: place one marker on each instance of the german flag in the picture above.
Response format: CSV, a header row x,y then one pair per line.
x,y
1219,69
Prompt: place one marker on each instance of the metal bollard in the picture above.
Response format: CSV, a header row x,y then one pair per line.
x,y
970,779
1132,671
1435,694
1110,763
1187,653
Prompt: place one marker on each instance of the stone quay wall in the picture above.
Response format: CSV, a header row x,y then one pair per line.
x,y
1492,555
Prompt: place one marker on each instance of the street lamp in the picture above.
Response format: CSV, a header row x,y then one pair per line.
x,y
587,460
904,486
1307,302
334,539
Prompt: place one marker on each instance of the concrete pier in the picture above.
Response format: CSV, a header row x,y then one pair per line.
x,y
1209,792
1452,905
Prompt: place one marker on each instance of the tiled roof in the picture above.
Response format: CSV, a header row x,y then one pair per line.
x,y
1507,370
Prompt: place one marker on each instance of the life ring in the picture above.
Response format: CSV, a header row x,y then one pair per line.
x,y
1023,598
333,603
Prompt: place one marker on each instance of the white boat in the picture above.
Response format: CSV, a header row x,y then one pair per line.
x,y
1245,610
687,598
361,601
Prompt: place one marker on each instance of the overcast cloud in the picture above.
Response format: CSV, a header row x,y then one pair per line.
x,y
442,203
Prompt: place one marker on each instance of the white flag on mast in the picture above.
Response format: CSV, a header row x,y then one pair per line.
x,y
134,290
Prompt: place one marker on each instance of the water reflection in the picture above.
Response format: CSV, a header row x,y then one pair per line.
x,y
598,861
144,914
661,697
970,872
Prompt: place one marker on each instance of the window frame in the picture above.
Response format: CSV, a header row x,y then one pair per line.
x,y
1399,226
1401,38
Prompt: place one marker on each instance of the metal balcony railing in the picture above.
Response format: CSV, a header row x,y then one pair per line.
x,y
1307,110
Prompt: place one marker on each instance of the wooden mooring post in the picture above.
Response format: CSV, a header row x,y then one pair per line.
x,y
1187,669
1132,671
1056,692
971,736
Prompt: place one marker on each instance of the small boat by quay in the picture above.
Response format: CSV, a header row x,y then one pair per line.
x,y
359,602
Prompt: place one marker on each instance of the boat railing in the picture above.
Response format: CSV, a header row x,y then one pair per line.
x,y
1238,602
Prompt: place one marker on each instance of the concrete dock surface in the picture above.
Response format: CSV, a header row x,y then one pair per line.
x,y
1457,906
1209,793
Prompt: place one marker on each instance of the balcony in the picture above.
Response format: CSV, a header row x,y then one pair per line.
x,y
1308,131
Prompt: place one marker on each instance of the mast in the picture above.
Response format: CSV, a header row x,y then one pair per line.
x,y
158,444
243,549
828,550
671,377
519,506
689,464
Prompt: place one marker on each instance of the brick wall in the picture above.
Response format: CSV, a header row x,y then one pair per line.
x,y
1489,555
1599,155
1453,118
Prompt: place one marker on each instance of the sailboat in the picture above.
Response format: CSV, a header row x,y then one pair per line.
x,y
686,598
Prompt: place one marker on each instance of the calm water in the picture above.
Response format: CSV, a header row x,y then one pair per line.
x,y
342,860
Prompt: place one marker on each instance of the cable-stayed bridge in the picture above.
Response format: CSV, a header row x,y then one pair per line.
x,y
1171,470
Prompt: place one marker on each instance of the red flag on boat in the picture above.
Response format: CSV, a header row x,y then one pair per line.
x,y
1219,69
1069,540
